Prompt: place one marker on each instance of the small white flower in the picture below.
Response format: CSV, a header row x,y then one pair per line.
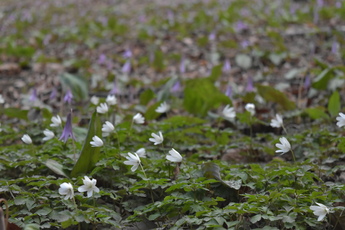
x,y
97,142
102,108
2,100
141,152
66,189
229,112
250,108
48,135
111,100
284,146
321,211
277,122
163,108
89,186
94,100
107,128
138,119
157,139
133,159
174,156
56,121
341,120
26,139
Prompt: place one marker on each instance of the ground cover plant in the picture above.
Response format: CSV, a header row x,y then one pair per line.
x,y
179,115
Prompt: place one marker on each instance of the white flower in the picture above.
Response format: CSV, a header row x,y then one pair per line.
x,y
56,121
157,139
89,186
107,128
66,189
277,122
97,142
48,135
229,112
2,100
141,152
250,108
102,108
111,100
133,159
94,100
284,145
321,211
341,120
174,156
138,119
163,108
26,139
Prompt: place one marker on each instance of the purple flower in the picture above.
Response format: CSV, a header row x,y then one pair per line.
x,y
176,87
127,53
212,36
338,4
245,44
102,59
183,65
228,91
53,94
68,97
227,66
239,26
126,67
142,18
250,86
320,3
307,82
293,9
171,17
335,47
33,96
67,131
114,90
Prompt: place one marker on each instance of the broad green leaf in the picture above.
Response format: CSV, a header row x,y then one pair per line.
x,y
158,62
151,113
32,227
273,95
16,113
316,113
89,156
321,81
201,96
255,218
334,104
56,167
146,96
215,73
77,84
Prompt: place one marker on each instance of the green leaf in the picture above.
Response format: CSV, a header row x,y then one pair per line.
x,y
158,62
215,73
32,227
321,81
146,96
316,112
16,113
334,104
44,211
255,218
201,96
89,156
56,167
273,95
77,84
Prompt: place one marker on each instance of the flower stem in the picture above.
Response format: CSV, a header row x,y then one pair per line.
x,y
150,186
293,156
